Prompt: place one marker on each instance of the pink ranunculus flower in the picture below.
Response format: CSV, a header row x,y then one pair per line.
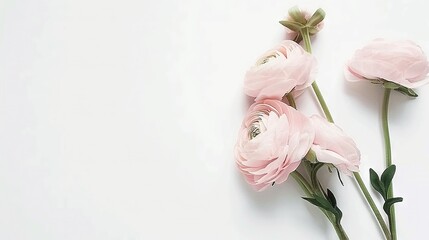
x,y
279,71
332,145
272,141
401,62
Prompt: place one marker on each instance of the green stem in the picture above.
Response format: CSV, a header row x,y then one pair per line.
x,y
314,181
306,37
307,44
388,150
302,183
307,188
391,220
291,100
322,102
385,123
340,231
372,205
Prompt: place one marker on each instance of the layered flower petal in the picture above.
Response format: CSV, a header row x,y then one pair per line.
x,y
279,71
332,145
401,62
273,140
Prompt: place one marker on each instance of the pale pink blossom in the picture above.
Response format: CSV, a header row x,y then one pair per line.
x,y
279,71
332,145
401,62
272,141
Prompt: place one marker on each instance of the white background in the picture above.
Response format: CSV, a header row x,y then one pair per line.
x,y
118,119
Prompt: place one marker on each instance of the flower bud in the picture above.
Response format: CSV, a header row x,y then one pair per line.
x,y
297,21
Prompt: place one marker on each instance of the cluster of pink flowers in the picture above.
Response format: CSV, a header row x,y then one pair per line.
x,y
275,137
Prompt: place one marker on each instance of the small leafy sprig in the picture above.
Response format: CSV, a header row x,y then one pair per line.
x,y
382,185
329,203
326,201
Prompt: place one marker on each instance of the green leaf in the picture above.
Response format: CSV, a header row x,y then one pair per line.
x,y
377,184
391,85
298,38
324,193
389,202
316,203
321,202
331,198
375,81
312,30
338,215
296,14
315,167
407,91
339,176
397,87
329,204
317,17
294,26
387,176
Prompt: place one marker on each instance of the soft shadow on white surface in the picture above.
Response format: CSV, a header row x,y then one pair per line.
x,y
282,198
366,94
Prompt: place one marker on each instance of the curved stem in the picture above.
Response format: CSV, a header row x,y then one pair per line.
x,y
314,181
388,150
307,44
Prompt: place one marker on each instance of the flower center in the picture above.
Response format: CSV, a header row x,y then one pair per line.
x,y
254,131
267,58
258,126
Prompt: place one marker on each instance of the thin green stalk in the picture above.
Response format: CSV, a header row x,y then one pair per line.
x,y
291,100
307,188
302,183
388,150
372,205
340,231
384,113
306,37
322,102
391,222
307,45
314,181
